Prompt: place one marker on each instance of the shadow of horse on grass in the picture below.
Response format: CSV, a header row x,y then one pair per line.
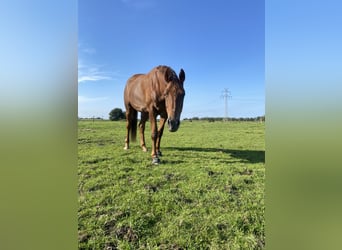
x,y
250,156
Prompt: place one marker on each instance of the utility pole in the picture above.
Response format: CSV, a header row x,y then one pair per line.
x,y
226,95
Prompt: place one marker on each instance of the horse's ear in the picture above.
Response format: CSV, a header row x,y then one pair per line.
x,y
182,76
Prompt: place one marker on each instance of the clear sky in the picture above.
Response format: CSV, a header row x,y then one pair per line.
x,y
219,44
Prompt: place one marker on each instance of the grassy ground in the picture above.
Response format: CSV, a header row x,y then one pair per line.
x,y
207,193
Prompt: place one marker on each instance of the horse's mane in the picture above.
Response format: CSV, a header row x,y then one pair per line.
x,y
171,73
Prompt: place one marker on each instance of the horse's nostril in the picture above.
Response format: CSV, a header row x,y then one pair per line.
x,y
173,124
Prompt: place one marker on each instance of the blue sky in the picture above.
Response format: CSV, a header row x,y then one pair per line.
x,y
218,43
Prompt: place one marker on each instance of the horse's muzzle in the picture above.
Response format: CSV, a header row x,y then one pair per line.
x,y
173,125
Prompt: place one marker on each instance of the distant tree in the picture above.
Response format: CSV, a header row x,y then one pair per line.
x,y
116,114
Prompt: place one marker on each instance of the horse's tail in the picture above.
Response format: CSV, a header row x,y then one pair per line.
x,y
134,122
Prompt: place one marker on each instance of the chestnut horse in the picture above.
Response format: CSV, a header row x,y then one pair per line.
x,y
159,92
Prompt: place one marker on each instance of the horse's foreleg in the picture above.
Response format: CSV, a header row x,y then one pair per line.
x,y
154,136
128,127
160,134
144,117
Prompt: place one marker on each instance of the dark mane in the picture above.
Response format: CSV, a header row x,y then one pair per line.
x,y
172,76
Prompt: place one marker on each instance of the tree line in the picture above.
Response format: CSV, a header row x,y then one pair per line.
x,y
214,119
117,114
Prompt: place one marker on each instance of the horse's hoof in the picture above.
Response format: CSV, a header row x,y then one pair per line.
x,y
144,149
155,160
126,148
159,153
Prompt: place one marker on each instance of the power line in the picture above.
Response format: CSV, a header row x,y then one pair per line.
x,y
226,94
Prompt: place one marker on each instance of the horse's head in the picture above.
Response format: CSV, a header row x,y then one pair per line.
x,y
174,96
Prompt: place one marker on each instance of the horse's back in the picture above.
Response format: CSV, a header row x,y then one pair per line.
x,y
132,83
135,92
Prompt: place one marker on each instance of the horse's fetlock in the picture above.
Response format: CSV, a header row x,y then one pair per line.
x,y
155,160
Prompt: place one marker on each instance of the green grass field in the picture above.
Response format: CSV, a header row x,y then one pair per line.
x,y
207,193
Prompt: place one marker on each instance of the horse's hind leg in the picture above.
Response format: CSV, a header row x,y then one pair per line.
x,y
144,117
128,125
129,120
